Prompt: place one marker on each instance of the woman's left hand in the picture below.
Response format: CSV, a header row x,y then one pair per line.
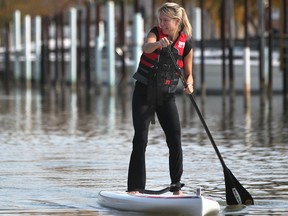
x,y
189,89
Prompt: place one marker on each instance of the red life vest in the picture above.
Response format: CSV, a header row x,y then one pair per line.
x,y
151,62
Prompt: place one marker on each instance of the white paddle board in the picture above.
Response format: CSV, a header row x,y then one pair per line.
x,y
164,203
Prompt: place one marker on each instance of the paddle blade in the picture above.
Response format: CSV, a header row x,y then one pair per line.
x,y
235,193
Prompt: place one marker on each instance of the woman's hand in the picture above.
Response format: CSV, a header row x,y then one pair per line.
x,y
164,42
189,89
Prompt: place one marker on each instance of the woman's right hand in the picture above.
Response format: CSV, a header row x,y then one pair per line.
x,y
164,42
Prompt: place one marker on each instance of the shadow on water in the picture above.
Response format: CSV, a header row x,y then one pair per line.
x,y
59,148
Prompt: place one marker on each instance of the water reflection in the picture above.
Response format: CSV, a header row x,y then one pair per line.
x,y
59,148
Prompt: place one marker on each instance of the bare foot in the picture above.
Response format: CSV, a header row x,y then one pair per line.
x,y
133,192
178,193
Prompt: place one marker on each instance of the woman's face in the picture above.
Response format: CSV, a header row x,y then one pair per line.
x,y
169,26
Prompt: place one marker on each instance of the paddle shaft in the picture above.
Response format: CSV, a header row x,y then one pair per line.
x,y
207,131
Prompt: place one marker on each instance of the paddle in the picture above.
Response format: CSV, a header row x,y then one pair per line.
x,y
235,192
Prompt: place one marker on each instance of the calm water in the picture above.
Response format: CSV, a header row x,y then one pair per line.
x,y
59,149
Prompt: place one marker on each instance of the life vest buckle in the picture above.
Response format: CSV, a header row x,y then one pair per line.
x,y
167,82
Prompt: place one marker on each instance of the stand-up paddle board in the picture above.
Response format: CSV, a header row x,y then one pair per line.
x,y
165,203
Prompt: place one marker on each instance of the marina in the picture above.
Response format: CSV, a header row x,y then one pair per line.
x,y
60,149
66,121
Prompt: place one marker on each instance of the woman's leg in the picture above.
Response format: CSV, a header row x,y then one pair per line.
x,y
141,120
169,119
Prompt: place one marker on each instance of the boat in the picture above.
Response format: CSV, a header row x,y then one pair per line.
x,y
195,205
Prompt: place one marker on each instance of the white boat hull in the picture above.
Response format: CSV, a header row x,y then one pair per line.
x,y
187,205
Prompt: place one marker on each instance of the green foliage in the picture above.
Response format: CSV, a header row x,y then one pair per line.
x,y
33,8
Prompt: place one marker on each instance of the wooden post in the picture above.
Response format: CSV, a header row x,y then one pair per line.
x,y
111,44
79,46
122,41
261,44
99,45
270,40
285,49
7,56
61,23
223,39
231,45
28,71
246,58
138,29
56,50
73,47
87,49
17,44
37,64
202,70
45,51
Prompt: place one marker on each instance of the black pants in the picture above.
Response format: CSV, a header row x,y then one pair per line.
x,y
168,117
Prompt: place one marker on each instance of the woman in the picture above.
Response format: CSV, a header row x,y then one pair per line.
x,y
156,82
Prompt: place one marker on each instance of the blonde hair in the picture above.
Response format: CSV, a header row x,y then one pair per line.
x,y
175,11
